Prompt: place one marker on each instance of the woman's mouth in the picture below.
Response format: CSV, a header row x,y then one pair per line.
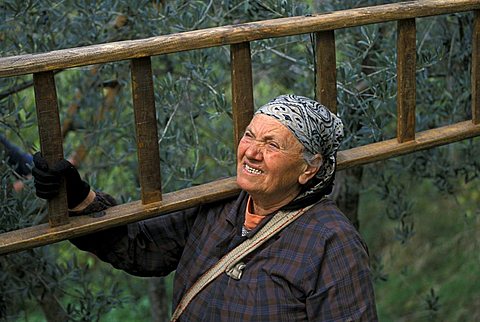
x,y
251,170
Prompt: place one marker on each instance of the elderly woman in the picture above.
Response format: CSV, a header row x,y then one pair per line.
x,y
313,268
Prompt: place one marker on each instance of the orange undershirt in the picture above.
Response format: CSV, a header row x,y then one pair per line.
x,y
251,220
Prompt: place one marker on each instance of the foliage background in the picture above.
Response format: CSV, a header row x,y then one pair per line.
x,y
418,213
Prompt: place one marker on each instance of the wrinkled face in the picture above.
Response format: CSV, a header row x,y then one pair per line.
x,y
269,160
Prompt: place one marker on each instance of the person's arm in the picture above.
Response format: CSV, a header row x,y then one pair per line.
x,y
343,290
152,247
148,248
19,160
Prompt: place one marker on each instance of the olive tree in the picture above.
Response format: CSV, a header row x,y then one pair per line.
x,y
192,94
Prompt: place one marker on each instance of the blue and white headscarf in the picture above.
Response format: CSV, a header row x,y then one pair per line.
x,y
317,129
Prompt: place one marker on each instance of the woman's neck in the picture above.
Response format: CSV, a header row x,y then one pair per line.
x,y
264,207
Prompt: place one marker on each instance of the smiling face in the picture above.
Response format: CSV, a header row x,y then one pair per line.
x,y
270,166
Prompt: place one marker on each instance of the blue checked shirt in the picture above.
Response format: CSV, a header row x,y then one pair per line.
x,y
316,269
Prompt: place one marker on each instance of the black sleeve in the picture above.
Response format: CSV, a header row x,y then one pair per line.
x,y
151,247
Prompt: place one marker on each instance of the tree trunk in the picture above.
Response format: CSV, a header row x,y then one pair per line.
x,y
158,300
346,192
51,307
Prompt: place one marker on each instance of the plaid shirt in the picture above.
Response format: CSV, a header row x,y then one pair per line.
x,y
316,269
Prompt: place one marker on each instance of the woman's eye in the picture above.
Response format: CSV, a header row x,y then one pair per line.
x,y
273,145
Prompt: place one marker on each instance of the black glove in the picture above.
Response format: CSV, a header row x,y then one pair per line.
x,y
48,181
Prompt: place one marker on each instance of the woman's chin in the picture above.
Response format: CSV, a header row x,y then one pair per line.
x,y
247,184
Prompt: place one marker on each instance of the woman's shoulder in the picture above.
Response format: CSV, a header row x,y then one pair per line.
x,y
326,218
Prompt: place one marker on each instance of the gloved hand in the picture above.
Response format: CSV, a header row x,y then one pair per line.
x,y
48,181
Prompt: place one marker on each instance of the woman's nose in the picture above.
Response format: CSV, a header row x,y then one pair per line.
x,y
254,151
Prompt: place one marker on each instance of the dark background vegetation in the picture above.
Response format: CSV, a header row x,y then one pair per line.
x,y
419,213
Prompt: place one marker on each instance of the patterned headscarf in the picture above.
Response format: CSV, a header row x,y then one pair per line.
x,y
317,129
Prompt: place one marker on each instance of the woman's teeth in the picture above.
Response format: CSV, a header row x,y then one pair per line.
x,y
252,170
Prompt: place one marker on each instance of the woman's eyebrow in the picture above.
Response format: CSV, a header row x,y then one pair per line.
x,y
268,137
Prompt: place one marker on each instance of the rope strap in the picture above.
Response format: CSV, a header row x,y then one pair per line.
x,y
229,261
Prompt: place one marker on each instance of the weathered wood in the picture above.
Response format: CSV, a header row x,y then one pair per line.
x,y
326,72
476,69
227,35
51,139
242,88
406,67
391,148
146,130
42,235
